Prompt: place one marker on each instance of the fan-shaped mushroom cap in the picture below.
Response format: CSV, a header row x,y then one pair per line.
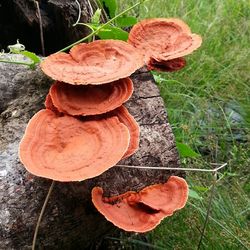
x,y
98,62
90,100
143,211
167,197
64,148
163,39
126,212
134,130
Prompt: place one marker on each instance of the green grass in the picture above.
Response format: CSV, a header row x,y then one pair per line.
x,y
209,109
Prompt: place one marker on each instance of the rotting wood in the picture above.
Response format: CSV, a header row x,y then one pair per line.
x,y
70,220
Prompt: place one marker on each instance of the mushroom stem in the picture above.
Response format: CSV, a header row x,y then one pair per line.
x,y
41,214
102,26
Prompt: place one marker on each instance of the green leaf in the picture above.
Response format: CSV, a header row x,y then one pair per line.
x,y
96,17
111,32
126,21
32,56
111,5
200,188
193,194
185,151
232,174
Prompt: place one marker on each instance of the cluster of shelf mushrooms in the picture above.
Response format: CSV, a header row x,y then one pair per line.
x,y
84,129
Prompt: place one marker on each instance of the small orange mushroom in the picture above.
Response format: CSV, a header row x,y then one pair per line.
x,y
90,99
64,148
134,130
167,66
98,62
142,211
161,40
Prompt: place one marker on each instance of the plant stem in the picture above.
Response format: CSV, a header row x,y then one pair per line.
x,y
101,27
79,13
41,214
219,224
183,169
87,25
14,62
40,27
208,211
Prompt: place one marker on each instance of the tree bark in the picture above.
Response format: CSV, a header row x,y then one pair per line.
x,y
19,20
70,220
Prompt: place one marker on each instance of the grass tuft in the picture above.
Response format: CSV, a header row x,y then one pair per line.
x,y
208,105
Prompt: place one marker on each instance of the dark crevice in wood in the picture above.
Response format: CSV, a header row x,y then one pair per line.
x,y
149,97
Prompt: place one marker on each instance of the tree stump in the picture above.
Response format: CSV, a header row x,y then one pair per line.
x,y
70,220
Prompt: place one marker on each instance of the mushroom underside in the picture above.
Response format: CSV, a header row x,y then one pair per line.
x,y
142,211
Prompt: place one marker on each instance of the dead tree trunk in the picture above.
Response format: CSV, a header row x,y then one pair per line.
x,y
70,220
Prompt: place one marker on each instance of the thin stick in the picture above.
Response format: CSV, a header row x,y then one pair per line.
x,y
208,211
14,62
91,9
41,214
41,27
167,168
79,13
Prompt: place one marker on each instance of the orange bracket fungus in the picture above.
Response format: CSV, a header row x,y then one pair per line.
x,y
64,148
170,65
134,130
90,100
164,42
93,80
142,211
49,104
98,62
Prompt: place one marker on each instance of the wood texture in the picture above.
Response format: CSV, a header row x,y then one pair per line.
x,y
19,20
70,220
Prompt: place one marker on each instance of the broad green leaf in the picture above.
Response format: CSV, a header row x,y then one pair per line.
x,y
32,56
193,194
96,17
111,5
185,151
111,32
126,21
